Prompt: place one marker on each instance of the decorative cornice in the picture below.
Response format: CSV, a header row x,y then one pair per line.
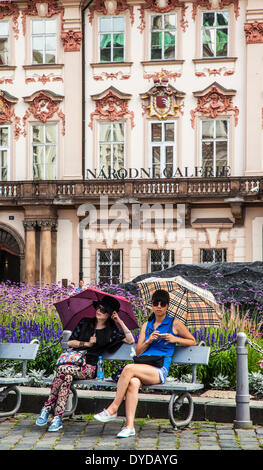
x,y
50,8
254,32
43,106
163,6
111,105
110,7
213,102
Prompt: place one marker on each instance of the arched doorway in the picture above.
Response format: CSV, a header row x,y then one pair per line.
x,y
11,255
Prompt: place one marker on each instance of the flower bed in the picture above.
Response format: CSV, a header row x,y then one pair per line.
x,y
27,313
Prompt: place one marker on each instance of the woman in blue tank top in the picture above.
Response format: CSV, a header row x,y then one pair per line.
x,y
158,337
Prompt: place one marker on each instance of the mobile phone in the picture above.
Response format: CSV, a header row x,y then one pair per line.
x,y
162,334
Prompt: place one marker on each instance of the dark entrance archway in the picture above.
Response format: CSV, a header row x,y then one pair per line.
x,y
10,257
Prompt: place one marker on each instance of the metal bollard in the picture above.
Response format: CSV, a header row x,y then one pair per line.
x,y
242,389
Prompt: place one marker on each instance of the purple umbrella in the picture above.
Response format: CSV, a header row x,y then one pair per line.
x,y
72,309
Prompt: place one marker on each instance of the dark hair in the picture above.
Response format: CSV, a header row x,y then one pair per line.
x,y
161,295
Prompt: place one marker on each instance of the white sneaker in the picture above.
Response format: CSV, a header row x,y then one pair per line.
x,y
105,417
126,432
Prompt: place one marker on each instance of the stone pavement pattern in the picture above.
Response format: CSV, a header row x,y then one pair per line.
x,y
84,433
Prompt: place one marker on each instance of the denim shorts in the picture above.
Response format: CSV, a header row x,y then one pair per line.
x,y
163,372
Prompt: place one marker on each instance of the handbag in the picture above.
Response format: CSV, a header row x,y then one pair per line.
x,y
156,361
73,357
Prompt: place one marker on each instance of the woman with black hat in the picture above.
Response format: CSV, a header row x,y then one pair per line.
x,y
96,335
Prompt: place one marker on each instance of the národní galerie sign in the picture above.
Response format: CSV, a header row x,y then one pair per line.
x,y
151,173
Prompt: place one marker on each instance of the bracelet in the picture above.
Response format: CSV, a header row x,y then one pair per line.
x,y
81,344
128,333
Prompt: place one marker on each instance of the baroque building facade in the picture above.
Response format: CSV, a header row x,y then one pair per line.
x,y
131,137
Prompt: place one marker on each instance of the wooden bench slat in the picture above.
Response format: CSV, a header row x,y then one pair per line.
x,y
18,351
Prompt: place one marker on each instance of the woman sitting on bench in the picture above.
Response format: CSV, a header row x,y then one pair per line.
x,y
96,335
158,337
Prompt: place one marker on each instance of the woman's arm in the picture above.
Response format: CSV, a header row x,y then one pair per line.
x,y
75,343
183,335
143,345
128,334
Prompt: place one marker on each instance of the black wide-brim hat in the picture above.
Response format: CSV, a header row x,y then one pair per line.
x,y
109,303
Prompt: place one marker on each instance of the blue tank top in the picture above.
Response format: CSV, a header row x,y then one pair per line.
x,y
160,347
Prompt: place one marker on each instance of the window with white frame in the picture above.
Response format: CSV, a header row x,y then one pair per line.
x,y
160,259
111,38
109,266
213,255
44,143
214,147
4,42
163,36
111,146
162,148
215,33
4,152
44,41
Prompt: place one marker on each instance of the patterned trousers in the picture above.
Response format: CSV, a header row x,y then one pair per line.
x,y
60,386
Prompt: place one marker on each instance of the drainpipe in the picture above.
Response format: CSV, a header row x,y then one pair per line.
x,y
83,122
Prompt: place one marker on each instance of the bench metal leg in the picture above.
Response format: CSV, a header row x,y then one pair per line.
x,y
178,415
3,395
72,402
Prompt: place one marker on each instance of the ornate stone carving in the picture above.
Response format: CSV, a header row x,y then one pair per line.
x,y
71,40
161,99
7,113
10,9
170,5
254,32
111,105
47,224
115,6
29,225
213,102
52,8
43,106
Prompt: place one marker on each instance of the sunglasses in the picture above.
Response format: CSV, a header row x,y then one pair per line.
x,y
161,302
102,309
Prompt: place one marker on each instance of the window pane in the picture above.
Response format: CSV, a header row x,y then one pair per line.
x,y
4,136
4,158
169,45
118,132
157,22
118,24
208,43
105,24
51,134
207,129
156,155
105,156
4,28
38,134
37,26
38,43
208,19
118,156
169,155
105,132
38,162
51,26
221,154
207,154
105,256
169,21
221,42
169,132
50,43
3,51
105,48
222,18
118,54
221,129
50,58
156,46
156,132
116,256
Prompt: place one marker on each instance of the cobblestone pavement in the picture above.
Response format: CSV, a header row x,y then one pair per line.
x,y
84,433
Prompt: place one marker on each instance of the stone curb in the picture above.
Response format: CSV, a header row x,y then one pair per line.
x,y
220,410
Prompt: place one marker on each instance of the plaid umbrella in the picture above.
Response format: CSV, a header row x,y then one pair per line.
x,y
194,306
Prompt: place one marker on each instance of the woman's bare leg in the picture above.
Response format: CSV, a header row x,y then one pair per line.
x,y
145,373
131,401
